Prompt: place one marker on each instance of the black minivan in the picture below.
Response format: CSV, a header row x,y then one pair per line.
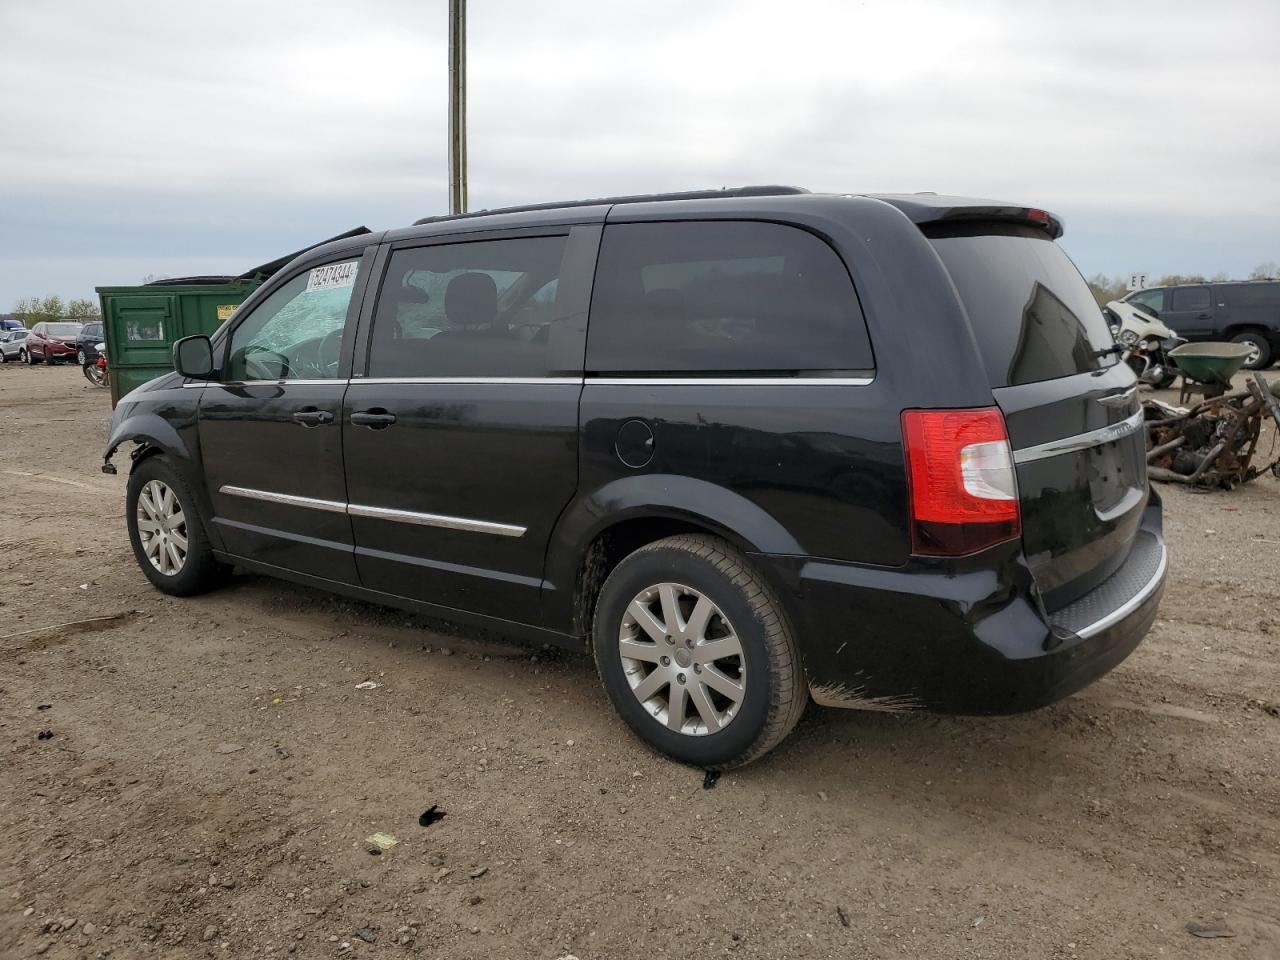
x,y
749,447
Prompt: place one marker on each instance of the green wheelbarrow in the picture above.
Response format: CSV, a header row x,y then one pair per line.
x,y
1210,364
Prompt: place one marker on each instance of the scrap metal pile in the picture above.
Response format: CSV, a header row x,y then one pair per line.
x,y
1212,443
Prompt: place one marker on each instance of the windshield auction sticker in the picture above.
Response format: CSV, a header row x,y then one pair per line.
x,y
332,276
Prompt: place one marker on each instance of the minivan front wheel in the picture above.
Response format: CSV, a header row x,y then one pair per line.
x,y
696,654
166,532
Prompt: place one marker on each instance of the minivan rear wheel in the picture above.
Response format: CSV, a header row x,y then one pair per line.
x,y
167,533
696,654
1260,349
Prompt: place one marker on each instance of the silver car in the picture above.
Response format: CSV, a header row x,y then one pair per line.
x,y
11,343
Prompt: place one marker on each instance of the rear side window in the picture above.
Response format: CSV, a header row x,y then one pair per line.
x,y
486,308
1031,312
720,297
1190,298
1250,294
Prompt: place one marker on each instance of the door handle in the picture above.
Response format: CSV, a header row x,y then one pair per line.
x,y
309,418
375,419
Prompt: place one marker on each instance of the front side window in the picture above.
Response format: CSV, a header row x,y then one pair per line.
x,y
485,308
1191,298
296,332
720,297
1150,300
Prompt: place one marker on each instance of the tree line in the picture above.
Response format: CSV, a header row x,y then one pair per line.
x,y
1105,289
33,310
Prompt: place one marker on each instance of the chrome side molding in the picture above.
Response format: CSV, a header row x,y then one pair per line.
x,y
377,513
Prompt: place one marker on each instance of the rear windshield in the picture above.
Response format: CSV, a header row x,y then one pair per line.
x,y
1031,311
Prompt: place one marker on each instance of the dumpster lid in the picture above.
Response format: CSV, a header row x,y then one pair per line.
x,y
260,272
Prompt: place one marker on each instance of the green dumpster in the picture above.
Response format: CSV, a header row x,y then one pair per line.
x,y
142,323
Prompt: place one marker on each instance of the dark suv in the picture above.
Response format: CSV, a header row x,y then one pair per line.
x,y
1242,311
747,446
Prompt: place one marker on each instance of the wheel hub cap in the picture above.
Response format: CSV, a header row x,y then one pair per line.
x,y
682,659
162,528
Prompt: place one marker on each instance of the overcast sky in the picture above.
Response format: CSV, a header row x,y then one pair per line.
x,y
180,138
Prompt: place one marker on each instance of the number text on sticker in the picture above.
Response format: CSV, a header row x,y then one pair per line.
x,y
332,276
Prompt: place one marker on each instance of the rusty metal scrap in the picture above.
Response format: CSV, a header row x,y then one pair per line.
x,y
1211,444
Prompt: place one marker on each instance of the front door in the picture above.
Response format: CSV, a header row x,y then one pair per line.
x,y
270,430
461,442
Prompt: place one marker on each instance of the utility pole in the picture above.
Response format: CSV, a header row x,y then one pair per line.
x,y
457,106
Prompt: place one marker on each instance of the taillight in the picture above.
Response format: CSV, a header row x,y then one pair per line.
x,y
964,494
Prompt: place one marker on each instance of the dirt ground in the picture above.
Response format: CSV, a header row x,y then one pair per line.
x,y
213,773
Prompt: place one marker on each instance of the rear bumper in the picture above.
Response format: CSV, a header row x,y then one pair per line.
x,y
971,638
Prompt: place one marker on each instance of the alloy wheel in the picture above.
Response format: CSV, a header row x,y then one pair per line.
x,y
682,659
162,528
80,357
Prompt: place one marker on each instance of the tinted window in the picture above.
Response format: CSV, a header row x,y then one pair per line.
x,y
1190,298
296,332
92,330
693,297
483,309
1031,312
1250,294
1154,299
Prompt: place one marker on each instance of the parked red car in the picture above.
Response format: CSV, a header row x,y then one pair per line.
x,y
52,342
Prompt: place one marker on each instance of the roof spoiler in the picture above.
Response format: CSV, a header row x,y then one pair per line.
x,y
923,208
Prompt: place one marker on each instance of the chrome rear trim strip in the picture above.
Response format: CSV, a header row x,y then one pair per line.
x,y
376,513
1126,608
288,499
1082,441
436,520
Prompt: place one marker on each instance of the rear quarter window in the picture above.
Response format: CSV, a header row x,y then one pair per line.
x,y
722,297
1031,311
1251,295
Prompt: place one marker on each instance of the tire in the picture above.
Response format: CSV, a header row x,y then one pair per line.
x,y
1262,359
25,357
199,571
772,691
80,356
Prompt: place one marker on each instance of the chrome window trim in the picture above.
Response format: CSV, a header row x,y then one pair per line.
x,y
377,513
1126,608
436,520
567,381
732,381
288,499
1081,441
264,383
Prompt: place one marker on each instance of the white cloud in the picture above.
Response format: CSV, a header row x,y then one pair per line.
x,y
131,127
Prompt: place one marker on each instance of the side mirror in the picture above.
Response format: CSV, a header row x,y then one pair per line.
x,y
193,357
